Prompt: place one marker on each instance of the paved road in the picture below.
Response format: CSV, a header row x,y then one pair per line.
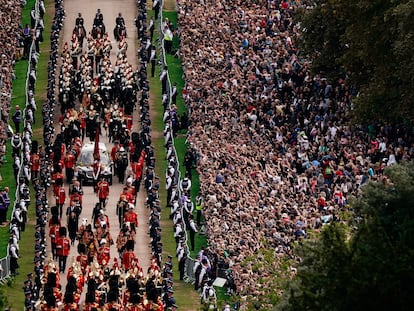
x,y
110,10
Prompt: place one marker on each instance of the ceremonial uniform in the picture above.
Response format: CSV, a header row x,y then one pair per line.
x,y
103,192
128,258
63,248
104,255
132,218
69,165
54,236
60,199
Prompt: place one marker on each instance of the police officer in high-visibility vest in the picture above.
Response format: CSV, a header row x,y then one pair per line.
x,y
168,39
198,208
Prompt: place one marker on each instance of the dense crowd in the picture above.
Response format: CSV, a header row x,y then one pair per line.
x,y
275,152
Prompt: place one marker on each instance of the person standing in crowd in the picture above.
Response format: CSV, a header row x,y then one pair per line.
x,y
16,143
174,94
131,217
153,60
4,204
16,167
72,221
33,17
14,256
27,41
17,118
198,208
151,28
185,185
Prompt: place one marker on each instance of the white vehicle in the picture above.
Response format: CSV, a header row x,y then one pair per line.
x,y
85,163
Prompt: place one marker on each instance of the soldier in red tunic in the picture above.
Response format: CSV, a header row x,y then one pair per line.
x,y
35,164
104,253
60,199
82,258
57,179
129,256
54,226
131,217
63,248
103,192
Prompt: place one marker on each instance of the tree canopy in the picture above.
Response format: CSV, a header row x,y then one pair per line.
x,y
370,43
369,267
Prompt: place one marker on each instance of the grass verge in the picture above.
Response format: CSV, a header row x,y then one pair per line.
x,y
187,298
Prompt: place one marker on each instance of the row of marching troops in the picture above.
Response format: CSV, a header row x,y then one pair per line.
x,y
121,285
107,91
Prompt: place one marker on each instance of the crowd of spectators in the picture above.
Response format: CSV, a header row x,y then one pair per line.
x,y
10,29
276,153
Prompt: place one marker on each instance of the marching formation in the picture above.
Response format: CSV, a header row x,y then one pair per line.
x,y
97,98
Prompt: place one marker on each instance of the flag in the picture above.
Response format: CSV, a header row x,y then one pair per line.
x,y
96,155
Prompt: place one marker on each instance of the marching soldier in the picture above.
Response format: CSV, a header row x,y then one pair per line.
x,y
69,165
103,192
121,209
131,217
60,199
63,248
104,253
121,164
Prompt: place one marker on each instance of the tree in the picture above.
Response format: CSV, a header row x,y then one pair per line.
x,y
321,275
370,267
370,41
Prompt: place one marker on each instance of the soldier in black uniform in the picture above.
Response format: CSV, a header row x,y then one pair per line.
x,y
121,160
120,21
38,269
156,237
28,301
98,21
79,20
28,284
